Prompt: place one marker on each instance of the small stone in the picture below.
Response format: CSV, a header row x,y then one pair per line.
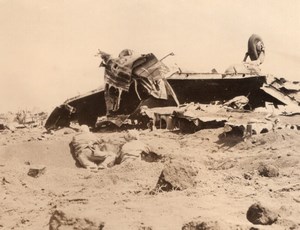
x,y
268,170
142,227
257,214
247,176
36,171
4,181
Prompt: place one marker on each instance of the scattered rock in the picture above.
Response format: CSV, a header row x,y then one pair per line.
x,y
61,220
248,176
268,170
142,227
257,214
176,176
4,181
202,225
36,171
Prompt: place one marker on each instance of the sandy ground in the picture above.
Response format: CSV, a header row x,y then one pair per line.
x,y
121,196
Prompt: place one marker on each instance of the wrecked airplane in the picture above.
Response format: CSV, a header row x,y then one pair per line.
x,y
133,81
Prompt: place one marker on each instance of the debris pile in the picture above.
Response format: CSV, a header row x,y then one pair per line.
x,y
141,92
22,119
67,220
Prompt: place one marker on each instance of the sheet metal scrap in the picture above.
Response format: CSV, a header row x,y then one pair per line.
x,y
188,118
285,91
191,120
252,127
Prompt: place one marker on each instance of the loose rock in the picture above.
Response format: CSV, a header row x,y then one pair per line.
x,y
176,176
268,170
36,171
61,220
202,225
257,214
145,228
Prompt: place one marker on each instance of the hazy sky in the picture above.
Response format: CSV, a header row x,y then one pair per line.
x,y
47,48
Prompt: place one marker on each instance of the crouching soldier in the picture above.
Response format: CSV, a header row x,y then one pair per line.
x,y
91,152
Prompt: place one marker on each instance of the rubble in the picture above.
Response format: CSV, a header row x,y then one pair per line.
x,y
188,118
203,225
142,227
66,220
251,128
21,119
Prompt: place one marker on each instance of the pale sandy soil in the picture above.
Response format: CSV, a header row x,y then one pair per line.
x,y
121,196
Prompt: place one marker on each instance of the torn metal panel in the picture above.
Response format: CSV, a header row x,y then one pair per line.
x,y
84,109
287,88
277,94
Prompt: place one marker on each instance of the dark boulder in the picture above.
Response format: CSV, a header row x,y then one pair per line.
x,y
176,176
258,214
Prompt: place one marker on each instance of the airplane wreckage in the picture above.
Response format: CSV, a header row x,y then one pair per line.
x,y
139,88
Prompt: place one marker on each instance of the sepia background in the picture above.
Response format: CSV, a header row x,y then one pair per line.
x,y
47,48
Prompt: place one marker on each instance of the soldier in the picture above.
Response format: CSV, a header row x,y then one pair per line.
x,y
91,152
